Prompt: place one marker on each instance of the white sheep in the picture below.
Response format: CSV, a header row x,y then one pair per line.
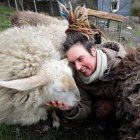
x,y
31,74
20,18
56,33
53,27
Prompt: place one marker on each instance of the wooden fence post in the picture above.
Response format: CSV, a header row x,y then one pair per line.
x,y
34,1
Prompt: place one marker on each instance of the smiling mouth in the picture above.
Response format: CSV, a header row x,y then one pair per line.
x,y
83,70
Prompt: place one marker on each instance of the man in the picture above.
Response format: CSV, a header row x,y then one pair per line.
x,y
108,79
91,65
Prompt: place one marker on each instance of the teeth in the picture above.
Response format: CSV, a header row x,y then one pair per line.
x,y
84,70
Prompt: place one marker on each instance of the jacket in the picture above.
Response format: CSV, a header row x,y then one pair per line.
x,y
98,96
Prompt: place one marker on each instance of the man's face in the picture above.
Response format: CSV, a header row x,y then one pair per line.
x,y
81,59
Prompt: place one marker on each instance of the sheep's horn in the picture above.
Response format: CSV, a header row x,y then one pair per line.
x,y
26,83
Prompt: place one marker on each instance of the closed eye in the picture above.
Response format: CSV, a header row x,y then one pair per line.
x,y
80,59
58,89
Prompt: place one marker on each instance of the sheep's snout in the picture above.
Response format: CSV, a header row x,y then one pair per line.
x,y
70,86
65,93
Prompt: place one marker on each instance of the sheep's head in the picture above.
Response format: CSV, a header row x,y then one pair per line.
x,y
60,83
54,80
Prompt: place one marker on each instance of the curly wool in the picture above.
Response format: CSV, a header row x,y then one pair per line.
x,y
51,26
24,52
21,18
30,52
127,94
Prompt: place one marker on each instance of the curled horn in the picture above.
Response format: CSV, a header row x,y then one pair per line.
x,y
26,83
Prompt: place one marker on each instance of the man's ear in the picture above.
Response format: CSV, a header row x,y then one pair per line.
x,y
93,51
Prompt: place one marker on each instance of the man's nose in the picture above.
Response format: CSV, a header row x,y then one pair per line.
x,y
77,66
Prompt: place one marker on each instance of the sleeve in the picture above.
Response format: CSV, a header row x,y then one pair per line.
x,y
82,110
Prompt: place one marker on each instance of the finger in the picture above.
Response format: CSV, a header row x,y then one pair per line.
x,y
54,103
65,106
49,104
60,105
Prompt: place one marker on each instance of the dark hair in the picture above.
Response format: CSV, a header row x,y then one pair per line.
x,y
75,37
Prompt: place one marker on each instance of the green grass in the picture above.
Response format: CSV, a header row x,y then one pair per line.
x,y
5,13
84,130
136,31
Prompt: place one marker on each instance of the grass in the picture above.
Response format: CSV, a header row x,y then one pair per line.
x,y
85,130
136,31
5,13
128,38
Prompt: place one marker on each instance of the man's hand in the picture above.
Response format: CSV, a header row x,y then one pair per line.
x,y
59,105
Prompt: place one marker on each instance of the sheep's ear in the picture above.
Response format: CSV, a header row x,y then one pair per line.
x,y
64,61
26,83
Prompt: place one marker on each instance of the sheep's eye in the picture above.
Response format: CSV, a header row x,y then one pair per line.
x,y
58,89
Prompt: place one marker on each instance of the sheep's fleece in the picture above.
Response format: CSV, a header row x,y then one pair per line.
x,y
31,74
20,18
53,27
